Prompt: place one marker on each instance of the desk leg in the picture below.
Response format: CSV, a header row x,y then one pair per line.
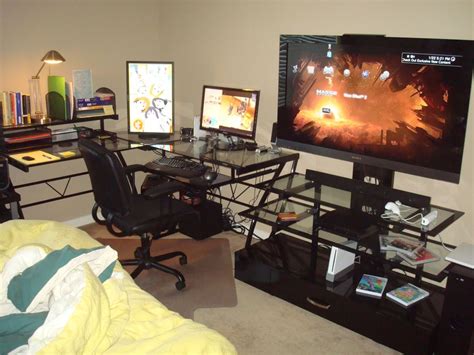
x,y
262,201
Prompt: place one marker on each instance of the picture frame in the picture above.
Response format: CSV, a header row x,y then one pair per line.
x,y
150,98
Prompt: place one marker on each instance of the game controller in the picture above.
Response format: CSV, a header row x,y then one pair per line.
x,y
392,207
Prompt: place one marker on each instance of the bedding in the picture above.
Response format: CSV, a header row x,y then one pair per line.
x,y
63,292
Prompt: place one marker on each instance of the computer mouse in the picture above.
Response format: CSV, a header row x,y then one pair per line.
x,y
392,207
210,175
27,158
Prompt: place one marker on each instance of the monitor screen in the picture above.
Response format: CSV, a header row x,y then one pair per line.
x,y
399,104
150,97
230,111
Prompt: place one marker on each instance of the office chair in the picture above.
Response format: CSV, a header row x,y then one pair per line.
x,y
125,212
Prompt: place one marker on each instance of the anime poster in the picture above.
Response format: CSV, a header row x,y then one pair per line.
x,y
150,97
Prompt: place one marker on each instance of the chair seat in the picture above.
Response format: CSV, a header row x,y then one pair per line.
x,y
148,215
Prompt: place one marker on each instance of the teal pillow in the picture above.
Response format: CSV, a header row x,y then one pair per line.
x,y
23,288
16,329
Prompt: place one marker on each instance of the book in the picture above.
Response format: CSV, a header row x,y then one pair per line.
x,y
6,108
407,295
370,285
400,244
421,256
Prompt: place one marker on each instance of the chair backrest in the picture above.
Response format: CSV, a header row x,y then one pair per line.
x,y
111,188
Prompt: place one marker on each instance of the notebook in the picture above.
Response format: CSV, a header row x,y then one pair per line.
x,y
462,255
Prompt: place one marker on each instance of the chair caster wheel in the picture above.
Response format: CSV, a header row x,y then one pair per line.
x,y
180,285
183,260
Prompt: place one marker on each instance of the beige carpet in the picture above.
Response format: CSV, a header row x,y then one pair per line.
x,y
263,324
208,273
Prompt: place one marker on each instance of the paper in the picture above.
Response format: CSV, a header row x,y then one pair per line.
x,y
67,154
82,83
34,157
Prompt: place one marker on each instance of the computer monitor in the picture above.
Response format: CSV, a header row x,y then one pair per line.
x,y
396,104
150,98
230,111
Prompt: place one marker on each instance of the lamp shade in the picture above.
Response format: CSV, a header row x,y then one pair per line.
x,y
53,57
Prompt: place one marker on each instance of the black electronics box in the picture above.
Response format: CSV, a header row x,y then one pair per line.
x,y
208,224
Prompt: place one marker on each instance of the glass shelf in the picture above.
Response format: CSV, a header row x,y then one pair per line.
x,y
368,245
299,187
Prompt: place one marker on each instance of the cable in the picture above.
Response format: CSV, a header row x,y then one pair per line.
x,y
442,243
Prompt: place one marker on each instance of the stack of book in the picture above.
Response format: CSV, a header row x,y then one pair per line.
x,y
14,108
409,249
95,106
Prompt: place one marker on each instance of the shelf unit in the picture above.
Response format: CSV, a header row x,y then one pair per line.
x,y
292,262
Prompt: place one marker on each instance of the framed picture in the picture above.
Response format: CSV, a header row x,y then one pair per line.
x,y
150,90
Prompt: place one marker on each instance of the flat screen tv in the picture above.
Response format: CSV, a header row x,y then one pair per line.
x,y
150,98
399,104
230,111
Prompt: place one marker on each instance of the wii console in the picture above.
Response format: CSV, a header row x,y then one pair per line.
x,y
341,261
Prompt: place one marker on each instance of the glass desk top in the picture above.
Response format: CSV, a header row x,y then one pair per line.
x,y
62,151
241,161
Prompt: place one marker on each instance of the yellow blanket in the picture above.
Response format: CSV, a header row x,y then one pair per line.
x,y
113,317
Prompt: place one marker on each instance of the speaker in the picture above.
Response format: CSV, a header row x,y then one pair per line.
x,y
4,176
456,330
208,224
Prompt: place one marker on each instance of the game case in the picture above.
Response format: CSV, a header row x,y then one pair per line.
x,y
407,295
287,216
400,244
370,285
421,256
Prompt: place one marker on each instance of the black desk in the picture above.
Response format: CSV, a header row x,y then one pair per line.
x,y
244,165
115,145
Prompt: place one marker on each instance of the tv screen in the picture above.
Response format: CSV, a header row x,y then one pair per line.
x,y
395,103
229,111
150,97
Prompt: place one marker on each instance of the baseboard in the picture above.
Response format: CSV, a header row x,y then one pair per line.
x,y
80,221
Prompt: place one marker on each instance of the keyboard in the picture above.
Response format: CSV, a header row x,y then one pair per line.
x,y
177,167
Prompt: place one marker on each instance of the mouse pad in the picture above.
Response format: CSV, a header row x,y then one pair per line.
x,y
34,157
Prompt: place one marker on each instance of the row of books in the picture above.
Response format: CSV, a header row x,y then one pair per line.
x,y
409,249
374,286
100,105
15,108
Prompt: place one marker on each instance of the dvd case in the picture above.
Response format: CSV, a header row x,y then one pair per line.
x,y
407,295
371,285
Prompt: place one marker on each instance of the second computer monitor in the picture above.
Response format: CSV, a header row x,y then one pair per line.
x,y
230,111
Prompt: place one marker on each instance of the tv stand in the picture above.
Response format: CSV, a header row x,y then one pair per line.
x,y
373,175
292,262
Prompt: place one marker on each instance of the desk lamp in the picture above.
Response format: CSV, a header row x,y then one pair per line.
x,y
51,57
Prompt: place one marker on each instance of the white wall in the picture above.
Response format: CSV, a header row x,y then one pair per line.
x,y
235,43
225,42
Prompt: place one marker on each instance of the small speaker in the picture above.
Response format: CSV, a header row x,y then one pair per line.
x,y
4,176
273,140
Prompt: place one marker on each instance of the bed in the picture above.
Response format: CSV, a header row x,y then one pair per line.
x,y
63,292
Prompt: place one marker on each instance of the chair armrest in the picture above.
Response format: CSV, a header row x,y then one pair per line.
x,y
163,189
134,168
